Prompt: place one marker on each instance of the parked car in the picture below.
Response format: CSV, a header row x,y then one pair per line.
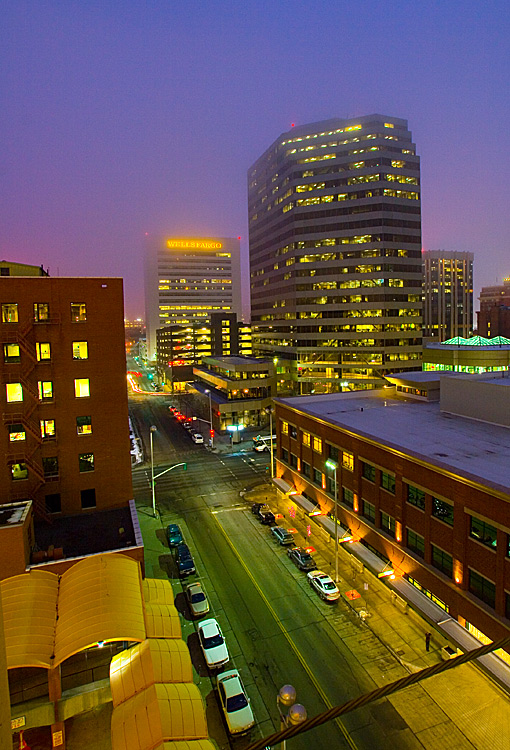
x,y
302,558
213,643
174,535
257,506
283,536
234,702
267,517
197,600
197,437
188,425
184,560
323,585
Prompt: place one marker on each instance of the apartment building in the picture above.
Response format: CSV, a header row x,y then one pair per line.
x,y
447,294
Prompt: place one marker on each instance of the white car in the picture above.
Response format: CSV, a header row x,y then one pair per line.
x,y
234,702
197,437
213,643
197,600
323,585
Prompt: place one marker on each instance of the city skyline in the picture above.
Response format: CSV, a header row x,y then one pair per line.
x,y
118,122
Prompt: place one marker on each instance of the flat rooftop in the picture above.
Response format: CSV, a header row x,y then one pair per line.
x,y
472,449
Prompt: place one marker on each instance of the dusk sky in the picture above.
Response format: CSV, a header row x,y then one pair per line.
x,y
121,118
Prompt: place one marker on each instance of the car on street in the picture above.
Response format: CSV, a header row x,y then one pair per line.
x,y
257,506
187,424
174,535
234,702
197,600
324,585
197,438
267,517
283,536
184,560
213,643
302,558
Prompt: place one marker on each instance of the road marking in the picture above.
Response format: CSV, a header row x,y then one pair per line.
x,y
310,674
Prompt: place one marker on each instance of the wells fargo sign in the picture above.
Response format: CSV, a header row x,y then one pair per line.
x,y
194,244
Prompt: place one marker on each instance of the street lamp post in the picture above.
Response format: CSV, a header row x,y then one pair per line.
x,y
210,417
175,466
270,410
153,429
334,466
296,713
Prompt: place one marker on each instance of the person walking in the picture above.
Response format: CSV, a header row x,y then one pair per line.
x,y
428,636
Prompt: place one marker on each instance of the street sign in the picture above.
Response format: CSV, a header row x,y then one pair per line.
x,y
20,721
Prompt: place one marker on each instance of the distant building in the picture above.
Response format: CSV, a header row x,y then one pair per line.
x,y
447,294
10,268
474,355
423,484
335,252
494,313
187,279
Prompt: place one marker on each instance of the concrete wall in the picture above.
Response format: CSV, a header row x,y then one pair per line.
x,y
486,400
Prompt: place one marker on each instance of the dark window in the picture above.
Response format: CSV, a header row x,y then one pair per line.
x,y
442,561
5,271
41,312
369,511
53,503
330,484
293,460
293,431
84,425
507,606
285,455
317,477
388,482
442,510
86,462
483,532
16,433
387,523
482,588
348,497
50,467
306,469
415,497
332,452
368,471
416,543
88,498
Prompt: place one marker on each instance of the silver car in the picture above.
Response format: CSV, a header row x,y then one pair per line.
x,y
197,600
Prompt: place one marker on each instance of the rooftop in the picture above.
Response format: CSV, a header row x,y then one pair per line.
x,y
13,513
475,450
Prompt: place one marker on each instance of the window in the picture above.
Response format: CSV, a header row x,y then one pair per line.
x,y
45,388
482,588
16,433
80,350
317,444
41,312
293,431
53,503
88,499
11,353
84,425
442,510
293,461
387,523
10,313
317,477
285,428
483,532
348,460
348,497
415,497
416,543
50,467
78,312
47,428
330,484
14,392
442,561
368,510
305,469
368,471
388,482
81,387
86,462
332,452
306,438
43,351
285,455
19,471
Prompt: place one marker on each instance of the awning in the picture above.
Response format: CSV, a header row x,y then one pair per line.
x,y
187,745
282,485
154,660
157,590
162,621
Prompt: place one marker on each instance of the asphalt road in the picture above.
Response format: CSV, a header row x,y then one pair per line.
x,y
278,631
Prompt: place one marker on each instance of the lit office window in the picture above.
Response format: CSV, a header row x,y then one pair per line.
x,y
43,351
10,313
80,350
81,387
14,392
84,425
78,312
16,433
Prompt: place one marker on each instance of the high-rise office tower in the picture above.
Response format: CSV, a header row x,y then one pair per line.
x,y
187,279
335,252
447,294
494,313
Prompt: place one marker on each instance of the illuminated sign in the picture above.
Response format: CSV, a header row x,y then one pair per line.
x,y
194,245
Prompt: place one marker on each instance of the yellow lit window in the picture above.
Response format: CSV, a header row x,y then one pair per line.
x,y
10,313
389,125
45,388
11,353
43,351
285,428
81,387
16,433
317,444
19,471
78,312
14,392
348,460
397,163
80,350
41,312
47,428
306,438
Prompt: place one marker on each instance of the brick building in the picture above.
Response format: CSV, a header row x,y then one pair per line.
x,y
494,313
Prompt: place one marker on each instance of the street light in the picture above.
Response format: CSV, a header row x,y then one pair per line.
x,y
153,429
175,466
334,466
296,714
210,417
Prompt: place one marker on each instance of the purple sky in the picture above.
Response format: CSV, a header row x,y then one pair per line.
x,y
120,118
